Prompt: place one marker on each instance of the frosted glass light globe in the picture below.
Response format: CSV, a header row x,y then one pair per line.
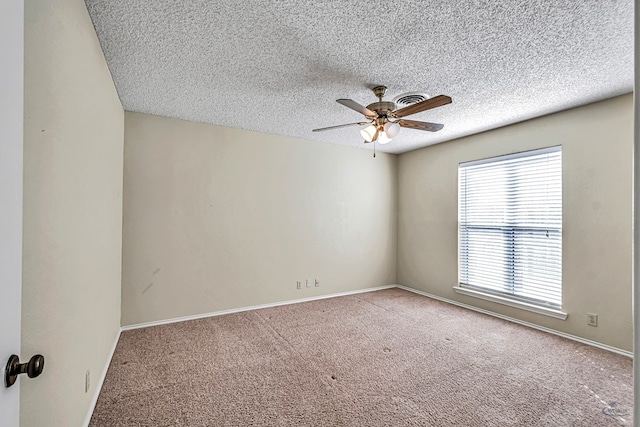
x,y
391,129
368,133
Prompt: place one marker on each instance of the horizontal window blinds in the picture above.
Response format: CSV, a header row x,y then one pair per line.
x,y
510,226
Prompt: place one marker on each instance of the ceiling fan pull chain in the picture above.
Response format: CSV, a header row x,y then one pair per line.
x,y
374,148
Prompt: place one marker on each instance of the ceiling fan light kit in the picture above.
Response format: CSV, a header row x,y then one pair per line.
x,y
382,116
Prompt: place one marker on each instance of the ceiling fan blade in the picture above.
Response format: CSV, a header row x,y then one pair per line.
x,y
357,107
412,124
340,126
427,104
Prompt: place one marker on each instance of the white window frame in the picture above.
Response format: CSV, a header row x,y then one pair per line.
x,y
486,293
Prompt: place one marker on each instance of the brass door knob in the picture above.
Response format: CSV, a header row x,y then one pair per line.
x,y
32,368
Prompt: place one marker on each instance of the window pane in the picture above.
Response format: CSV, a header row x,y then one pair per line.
x,y
510,219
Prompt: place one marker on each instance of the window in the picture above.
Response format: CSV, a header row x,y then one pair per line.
x,y
510,229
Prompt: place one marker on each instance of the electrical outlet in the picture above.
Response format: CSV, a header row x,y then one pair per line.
x,y
298,285
87,381
317,283
592,319
309,283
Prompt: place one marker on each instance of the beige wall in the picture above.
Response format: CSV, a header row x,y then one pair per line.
x,y
218,218
597,171
73,151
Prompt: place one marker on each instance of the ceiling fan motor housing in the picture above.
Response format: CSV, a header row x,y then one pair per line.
x,y
382,107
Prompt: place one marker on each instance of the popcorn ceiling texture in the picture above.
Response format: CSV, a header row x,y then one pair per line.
x,y
278,66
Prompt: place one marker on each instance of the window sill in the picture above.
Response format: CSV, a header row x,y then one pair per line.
x,y
512,303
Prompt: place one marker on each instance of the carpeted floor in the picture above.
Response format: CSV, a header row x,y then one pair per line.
x,y
385,358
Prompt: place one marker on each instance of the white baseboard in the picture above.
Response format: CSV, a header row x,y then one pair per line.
x,y
103,375
252,307
358,291
521,322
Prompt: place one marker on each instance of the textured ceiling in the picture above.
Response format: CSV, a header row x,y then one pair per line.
x,y
278,66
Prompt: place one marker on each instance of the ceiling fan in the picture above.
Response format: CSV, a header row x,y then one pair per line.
x,y
380,116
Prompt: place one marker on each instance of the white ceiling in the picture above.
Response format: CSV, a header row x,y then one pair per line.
x,y
278,66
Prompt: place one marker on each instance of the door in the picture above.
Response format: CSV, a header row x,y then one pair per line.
x,y
11,117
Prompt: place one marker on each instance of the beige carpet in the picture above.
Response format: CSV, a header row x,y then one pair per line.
x,y
386,358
